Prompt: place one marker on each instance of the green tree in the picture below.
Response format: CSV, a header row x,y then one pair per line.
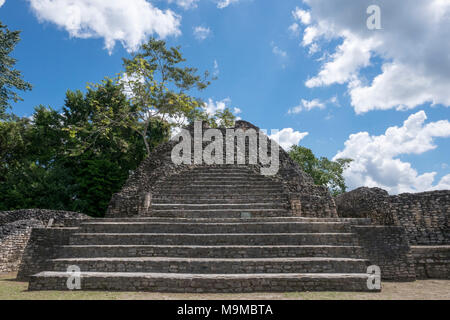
x,y
101,148
30,176
223,118
323,171
76,158
45,164
160,87
10,78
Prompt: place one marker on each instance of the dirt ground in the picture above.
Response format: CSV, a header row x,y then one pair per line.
x,y
10,289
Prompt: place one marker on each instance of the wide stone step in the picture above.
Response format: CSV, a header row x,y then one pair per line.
x,y
228,184
352,221
217,173
216,193
220,188
235,176
214,206
203,283
179,199
221,183
224,168
220,194
95,251
210,265
216,176
222,173
219,213
197,227
213,239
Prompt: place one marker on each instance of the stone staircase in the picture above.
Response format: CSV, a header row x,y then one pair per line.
x,y
213,230
223,191
211,255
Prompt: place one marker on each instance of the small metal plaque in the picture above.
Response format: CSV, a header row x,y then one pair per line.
x,y
246,215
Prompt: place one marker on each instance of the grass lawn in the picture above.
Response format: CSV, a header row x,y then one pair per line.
x,y
11,289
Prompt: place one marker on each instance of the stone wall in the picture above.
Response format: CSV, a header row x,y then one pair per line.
x,y
424,215
316,201
373,203
15,230
133,199
42,215
388,248
431,261
13,239
43,245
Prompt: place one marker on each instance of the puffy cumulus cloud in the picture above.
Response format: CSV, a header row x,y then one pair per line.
x,y
288,137
398,85
302,15
130,22
185,4
225,3
376,162
201,33
411,47
308,105
211,106
349,57
2,2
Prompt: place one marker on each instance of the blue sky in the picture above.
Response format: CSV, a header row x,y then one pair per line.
x,y
265,52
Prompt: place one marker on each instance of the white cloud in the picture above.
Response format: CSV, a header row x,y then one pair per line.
x,y
201,33
225,3
411,47
277,51
399,86
444,183
185,4
216,69
211,107
287,137
177,122
302,15
376,162
129,22
294,29
2,2
307,105
349,57
129,82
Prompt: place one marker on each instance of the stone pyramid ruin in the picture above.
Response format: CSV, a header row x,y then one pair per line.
x,y
202,227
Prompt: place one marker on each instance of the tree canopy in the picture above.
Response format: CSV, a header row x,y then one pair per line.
x,y
43,164
11,79
160,86
323,171
77,157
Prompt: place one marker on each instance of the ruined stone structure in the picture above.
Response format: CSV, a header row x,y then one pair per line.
x,y
222,228
424,217
157,174
15,230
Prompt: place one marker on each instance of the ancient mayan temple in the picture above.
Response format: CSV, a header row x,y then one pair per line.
x,y
218,228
